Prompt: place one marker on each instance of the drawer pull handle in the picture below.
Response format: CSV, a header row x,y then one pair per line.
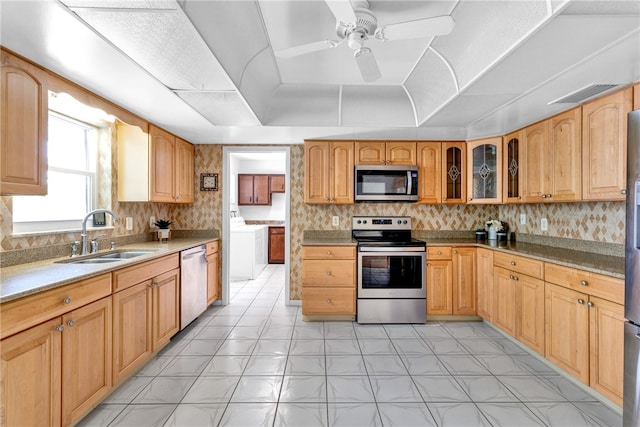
x,y
67,300
439,252
580,301
60,328
513,263
328,300
583,282
71,323
328,273
329,253
590,304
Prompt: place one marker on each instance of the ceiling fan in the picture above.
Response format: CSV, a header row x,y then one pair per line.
x,y
355,23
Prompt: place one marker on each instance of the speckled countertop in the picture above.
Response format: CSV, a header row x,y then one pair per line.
x,y
26,279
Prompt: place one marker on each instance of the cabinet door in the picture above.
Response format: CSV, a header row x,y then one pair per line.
x,y
464,281
131,329
316,171
341,178
607,348
566,177
512,168
185,175
276,245
439,287
212,278
261,195
86,358
277,183
400,153
484,171
166,307
162,171
485,283
567,330
430,172
370,153
245,189
454,170
604,146
30,376
23,127
504,307
536,162
530,311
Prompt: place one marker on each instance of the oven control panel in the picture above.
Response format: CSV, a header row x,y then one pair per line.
x,y
381,223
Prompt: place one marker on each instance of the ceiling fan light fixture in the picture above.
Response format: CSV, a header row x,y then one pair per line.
x,y
356,40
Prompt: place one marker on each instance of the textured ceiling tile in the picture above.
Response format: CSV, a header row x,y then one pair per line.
x,y
220,108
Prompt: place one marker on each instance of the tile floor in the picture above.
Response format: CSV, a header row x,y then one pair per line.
x,y
255,362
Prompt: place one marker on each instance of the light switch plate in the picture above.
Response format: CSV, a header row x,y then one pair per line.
x,y
523,219
335,221
544,225
152,219
129,223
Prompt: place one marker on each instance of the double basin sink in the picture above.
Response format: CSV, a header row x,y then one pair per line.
x,y
106,257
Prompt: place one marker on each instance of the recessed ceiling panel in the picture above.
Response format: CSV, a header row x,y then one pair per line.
x,y
466,109
220,108
259,81
372,105
304,106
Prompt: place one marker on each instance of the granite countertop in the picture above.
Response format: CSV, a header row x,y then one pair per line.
x,y
26,279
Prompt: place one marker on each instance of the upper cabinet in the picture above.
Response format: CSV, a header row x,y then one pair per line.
x,y
385,153
23,128
604,146
512,187
253,190
484,182
328,172
454,172
429,172
277,183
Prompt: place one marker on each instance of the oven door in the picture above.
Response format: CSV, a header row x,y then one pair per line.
x,y
391,272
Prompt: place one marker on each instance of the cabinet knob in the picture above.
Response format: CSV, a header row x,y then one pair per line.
x,y
590,304
439,252
153,285
584,282
328,300
444,199
470,199
60,328
580,301
328,273
71,323
428,265
513,263
67,300
515,278
623,191
329,253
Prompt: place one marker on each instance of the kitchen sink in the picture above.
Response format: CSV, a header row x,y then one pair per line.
x,y
123,254
106,257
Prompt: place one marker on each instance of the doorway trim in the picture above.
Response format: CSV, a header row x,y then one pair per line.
x,y
226,212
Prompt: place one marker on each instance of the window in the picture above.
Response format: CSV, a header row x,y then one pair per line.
x,y
72,157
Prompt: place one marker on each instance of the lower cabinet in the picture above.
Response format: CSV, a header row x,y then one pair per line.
x,y
276,245
212,272
439,280
464,281
484,280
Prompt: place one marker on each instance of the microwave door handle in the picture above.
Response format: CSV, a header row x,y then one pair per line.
x,y
409,182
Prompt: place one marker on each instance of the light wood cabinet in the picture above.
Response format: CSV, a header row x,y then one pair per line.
x,y
636,96
165,301
513,182
23,127
385,153
454,170
254,190
485,283
212,272
604,146
329,280
439,280
328,172
277,183
464,281
276,245
162,167
504,308
484,171
429,172
185,172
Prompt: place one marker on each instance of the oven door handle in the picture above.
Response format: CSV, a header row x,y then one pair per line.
x,y
392,249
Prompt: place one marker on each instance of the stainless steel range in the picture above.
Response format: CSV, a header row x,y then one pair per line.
x,y
391,271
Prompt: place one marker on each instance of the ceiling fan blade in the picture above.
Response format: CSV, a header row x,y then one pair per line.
x,y
307,48
367,64
342,10
427,27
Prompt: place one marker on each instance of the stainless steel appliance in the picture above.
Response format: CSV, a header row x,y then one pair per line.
x,y
631,405
390,271
193,284
386,183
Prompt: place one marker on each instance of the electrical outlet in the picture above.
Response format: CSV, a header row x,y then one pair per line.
x,y
152,219
544,225
129,223
523,219
335,221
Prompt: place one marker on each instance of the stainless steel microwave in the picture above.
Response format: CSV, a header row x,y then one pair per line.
x,y
386,183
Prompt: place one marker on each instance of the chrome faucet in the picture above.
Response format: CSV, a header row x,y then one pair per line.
x,y
83,234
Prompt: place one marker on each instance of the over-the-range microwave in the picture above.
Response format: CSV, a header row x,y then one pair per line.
x,y
386,183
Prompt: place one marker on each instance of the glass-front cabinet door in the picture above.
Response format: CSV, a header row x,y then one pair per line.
x,y
454,172
484,158
512,171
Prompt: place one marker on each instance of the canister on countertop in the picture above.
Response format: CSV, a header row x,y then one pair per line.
x,y
481,235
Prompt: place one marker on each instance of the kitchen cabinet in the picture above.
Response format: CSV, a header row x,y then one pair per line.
x,y
604,146
23,128
513,153
277,183
429,172
253,190
328,172
464,281
276,245
329,280
146,312
454,172
385,153
636,96
212,272
485,283
439,280
484,171
59,359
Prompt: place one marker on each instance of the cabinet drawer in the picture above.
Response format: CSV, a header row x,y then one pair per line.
x,y
605,287
129,276
323,273
212,247
530,267
329,252
23,313
439,252
328,300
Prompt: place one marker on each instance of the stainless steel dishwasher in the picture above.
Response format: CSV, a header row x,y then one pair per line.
x,y
193,284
